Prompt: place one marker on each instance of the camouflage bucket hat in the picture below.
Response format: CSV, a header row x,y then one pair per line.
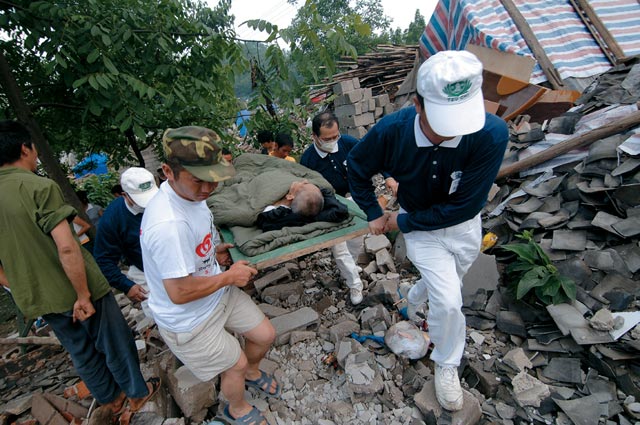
x,y
198,151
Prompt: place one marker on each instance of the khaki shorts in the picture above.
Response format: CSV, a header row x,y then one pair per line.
x,y
209,349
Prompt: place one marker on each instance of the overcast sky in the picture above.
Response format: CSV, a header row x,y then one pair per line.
x,y
280,12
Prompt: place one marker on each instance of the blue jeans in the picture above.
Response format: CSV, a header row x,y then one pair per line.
x,y
103,350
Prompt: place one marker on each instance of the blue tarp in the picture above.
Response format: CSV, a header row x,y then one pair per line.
x,y
95,163
242,117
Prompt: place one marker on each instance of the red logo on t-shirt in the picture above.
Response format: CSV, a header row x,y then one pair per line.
x,y
203,249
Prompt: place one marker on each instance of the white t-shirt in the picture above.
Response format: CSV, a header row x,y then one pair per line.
x,y
178,237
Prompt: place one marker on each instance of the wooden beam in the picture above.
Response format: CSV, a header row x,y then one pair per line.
x,y
35,340
594,33
602,30
580,141
530,38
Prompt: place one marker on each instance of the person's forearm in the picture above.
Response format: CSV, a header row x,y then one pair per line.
x,y
73,265
191,288
109,268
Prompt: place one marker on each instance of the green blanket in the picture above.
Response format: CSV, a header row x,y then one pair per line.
x,y
260,181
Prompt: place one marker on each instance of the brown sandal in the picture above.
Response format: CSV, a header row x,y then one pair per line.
x,y
153,384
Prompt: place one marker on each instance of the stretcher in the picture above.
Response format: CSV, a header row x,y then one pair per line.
x,y
358,227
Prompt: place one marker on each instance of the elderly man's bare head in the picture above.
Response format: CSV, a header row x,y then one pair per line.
x,y
306,198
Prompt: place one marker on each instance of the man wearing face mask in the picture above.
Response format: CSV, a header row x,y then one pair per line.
x,y
328,156
118,234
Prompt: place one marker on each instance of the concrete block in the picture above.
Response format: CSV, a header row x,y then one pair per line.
x,y
382,100
362,373
400,251
281,292
347,110
528,390
372,315
426,401
370,269
373,244
269,366
367,94
342,329
377,112
364,106
280,275
342,87
383,259
191,394
389,109
372,105
299,336
517,360
296,320
341,412
384,291
487,382
272,311
346,347
358,132
483,274
359,120
349,97
356,82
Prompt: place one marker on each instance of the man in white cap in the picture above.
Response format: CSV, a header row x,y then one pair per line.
x,y
445,154
118,234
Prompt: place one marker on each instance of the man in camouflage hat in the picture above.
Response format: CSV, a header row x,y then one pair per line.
x,y
195,304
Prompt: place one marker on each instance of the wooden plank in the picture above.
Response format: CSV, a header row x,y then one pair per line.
x,y
592,20
513,66
507,85
517,102
538,52
297,249
35,340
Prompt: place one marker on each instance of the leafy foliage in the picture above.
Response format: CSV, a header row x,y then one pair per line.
x,y
533,270
111,75
412,34
325,30
98,188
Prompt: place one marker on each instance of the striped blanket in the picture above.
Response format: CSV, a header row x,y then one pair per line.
x,y
565,39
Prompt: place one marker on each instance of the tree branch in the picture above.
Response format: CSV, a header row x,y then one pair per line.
x,y
56,105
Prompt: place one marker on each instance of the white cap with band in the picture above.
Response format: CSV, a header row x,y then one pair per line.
x,y
450,83
139,184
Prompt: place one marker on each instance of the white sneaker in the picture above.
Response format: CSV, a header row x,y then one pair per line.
x,y
356,296
448,389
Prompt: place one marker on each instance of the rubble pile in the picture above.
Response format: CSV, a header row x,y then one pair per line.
x,y
331,359
524,362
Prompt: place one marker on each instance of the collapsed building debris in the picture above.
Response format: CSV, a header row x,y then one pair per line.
x,y
523,363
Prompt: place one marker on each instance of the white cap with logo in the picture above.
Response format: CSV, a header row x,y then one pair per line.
x,y
450,83
139,184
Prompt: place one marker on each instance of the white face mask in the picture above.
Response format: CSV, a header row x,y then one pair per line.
x,y
137,209
132,206
328,145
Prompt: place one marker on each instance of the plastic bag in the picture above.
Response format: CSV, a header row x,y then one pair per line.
x,y
406,340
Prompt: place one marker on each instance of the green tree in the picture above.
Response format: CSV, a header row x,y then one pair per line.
x,y
324,30
415,30
112,75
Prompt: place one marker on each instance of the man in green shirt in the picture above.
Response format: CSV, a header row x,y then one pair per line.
x,y
50,275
